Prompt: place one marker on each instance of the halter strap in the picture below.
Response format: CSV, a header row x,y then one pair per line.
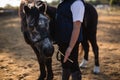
x,y
45,7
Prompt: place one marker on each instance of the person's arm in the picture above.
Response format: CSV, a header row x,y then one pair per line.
x,y
75,33
74,38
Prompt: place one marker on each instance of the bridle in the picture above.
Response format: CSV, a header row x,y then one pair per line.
x,y
40,5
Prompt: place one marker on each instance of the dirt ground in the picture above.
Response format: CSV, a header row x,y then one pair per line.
x,y
18,61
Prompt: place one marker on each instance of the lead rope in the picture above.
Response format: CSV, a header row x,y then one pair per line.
x,y
58,58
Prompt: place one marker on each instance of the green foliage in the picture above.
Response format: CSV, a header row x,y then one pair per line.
x,y
114,2
110,2
54,3
95,2
8,6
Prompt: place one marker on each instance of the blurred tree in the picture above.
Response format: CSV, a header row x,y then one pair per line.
x,y
54,3
114,2
8,6
96,2
110,2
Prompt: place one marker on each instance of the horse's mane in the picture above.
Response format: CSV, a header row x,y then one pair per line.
x,y
20,10
51,11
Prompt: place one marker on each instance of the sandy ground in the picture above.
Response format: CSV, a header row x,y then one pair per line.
x,y
18,61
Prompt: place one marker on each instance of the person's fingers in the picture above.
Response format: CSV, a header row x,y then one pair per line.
x,y
65,58
67,54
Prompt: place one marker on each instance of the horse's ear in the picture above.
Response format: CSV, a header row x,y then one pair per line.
x,y
40,5
42,8
26,9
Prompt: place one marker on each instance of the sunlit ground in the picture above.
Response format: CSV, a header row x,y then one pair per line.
x,y
18,61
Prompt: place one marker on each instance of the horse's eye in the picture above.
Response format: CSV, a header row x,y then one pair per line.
x,y
43,21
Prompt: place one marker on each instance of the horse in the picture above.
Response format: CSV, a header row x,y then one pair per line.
x,y
39,39
89,30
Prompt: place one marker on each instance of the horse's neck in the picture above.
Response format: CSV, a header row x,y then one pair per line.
x,y
51,12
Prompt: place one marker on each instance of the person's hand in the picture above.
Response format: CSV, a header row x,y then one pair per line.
x,y
67,54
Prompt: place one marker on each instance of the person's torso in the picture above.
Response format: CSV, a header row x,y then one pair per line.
x,y
64,20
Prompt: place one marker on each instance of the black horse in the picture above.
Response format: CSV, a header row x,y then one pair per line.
x,y
89,34
89,30
38,36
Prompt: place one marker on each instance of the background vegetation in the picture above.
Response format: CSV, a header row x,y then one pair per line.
x,y
110,2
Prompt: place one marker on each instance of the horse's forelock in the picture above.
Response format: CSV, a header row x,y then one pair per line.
x,y
34,11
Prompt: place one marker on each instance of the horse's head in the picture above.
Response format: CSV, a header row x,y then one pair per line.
x,y
32,17
36,21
